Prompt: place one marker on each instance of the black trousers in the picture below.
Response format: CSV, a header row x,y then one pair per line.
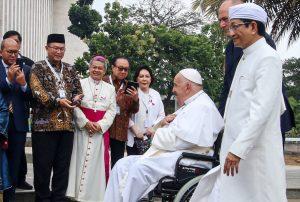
x,y
15,152
51,152
23,168
117,149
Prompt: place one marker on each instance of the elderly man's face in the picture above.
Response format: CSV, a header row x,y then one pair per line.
x,y
10,52
242,33
55,51
120,69
97,70
223,17
180,89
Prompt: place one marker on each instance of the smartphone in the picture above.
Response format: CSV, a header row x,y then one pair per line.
x,y
20,62
131,84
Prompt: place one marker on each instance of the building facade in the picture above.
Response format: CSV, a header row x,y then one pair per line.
x,y
35,19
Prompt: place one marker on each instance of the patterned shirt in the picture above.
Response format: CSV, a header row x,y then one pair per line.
x,y
128,106
48,115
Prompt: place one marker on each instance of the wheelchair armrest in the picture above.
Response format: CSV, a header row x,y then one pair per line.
x,y
199,157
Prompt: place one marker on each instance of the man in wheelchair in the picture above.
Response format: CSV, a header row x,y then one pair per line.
x,y
192,128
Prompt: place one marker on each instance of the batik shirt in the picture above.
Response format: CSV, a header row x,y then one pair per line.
x,y
48,115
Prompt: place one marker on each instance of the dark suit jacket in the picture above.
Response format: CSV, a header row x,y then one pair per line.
x,y
232,58
20,100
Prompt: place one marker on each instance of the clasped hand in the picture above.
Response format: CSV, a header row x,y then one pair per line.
x,y
14,72
92,128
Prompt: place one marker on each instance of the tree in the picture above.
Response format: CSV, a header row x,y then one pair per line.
x,y
85,21
285,15
291,77
164,49
170,13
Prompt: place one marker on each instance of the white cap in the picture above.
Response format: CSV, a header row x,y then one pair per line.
x,y
192,75
250,11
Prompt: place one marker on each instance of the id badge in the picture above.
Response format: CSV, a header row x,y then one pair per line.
x,y
118,111
62,93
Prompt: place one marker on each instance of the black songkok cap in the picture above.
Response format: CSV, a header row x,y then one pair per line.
x,y
56,38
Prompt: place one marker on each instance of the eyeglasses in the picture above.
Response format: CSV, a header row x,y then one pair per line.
x,y
233,28
57,48
125,69
11,52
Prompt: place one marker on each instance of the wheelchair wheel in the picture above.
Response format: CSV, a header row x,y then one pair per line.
x,y
186,192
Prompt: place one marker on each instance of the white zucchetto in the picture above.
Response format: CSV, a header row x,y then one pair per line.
x,y
250,11
192,75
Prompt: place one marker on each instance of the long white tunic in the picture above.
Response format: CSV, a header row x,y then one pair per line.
x,y
87,173
195,128
151,111
252,132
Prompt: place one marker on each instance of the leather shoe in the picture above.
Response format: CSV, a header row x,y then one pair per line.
x,y
24,185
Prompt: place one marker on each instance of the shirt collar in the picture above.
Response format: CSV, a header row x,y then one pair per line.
x,y
4,64
189,100
253,47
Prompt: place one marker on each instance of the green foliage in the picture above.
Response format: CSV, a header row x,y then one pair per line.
x,y
84,2
85,21
291,73
165,50
295,104
291,78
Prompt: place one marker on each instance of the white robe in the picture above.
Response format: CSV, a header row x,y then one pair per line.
x,y
152,103
87,173
195,128
252,132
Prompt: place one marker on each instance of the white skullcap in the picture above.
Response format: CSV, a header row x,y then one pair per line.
x,y
192,75
248,11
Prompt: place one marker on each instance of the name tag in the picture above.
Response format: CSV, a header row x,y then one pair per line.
x,y
62,93
118,111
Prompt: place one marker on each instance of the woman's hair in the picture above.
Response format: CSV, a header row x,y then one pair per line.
x,y
101,59
139,69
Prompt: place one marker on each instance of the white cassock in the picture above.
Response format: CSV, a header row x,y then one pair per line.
x,y
195,129
87,175
151,111
252,132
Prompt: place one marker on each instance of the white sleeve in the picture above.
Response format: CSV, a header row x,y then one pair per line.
x,y
110,113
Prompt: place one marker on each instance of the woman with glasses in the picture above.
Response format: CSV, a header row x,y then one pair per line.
x,y
151,111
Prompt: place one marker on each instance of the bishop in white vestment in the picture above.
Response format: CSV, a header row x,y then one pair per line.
x,y
89,167
193,127
252,166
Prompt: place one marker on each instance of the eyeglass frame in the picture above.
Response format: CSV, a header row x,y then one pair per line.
x,y
62,49
10,52
233,28
121,69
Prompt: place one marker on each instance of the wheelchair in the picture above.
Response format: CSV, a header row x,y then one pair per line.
x,y
181,186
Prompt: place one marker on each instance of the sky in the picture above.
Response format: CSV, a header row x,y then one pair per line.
x,y
284,51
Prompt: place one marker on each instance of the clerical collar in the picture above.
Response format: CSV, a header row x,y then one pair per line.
x,y
255,46
191,99
4,64
94,81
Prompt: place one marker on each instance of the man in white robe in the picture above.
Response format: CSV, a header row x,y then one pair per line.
x,y
89,167
193,127
251,159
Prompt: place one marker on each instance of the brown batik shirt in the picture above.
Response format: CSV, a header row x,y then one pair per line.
x,y
128,106
48,115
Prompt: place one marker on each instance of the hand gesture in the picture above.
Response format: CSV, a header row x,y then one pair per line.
x,y
91,129
168,119
231,164
150,132
133,93
11,73
20,77
118,96
64,102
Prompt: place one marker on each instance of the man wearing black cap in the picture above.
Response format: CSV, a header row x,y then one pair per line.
x,y
54,85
